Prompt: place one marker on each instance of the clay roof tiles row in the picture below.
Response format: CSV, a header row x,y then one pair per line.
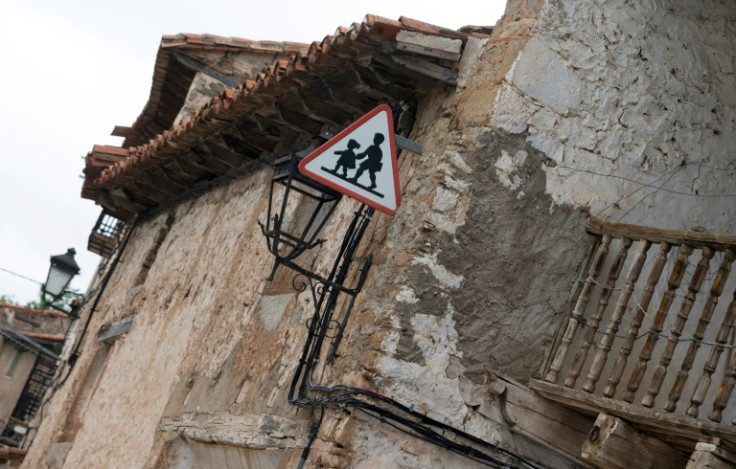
x,y
214,42
38,335
33,311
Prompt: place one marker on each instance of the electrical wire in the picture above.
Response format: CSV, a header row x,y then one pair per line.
x,y
21,276
313,436
712,168
622,198
650,184
103,284
424,419
584,322
657,189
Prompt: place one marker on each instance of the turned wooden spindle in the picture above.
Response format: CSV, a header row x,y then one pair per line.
x,y
724,392
673,283
577,315
716,289
696,282
604,345
592,325
654,275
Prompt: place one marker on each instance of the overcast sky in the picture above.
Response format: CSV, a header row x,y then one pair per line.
x,y
70,70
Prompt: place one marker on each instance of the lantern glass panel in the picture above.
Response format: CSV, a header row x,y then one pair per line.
x,y
298,210
57,281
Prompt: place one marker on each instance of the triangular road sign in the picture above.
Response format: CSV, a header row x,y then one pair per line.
x,y
360,161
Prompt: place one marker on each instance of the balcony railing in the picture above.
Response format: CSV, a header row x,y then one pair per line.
x,y
105,236
649,334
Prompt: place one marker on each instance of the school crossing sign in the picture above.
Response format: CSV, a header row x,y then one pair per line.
x,y
360,161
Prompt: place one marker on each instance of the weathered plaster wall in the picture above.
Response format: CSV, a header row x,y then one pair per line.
x,y
634,106
191,311
62,418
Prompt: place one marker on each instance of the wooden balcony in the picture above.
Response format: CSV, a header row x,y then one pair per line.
x,y
104,238
649,335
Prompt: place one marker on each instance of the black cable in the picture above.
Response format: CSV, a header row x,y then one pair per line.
x,y
650,184
487,460
656,189
417,429
312,436
21,276
424,419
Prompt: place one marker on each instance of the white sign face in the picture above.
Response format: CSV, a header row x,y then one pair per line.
x,y
360,161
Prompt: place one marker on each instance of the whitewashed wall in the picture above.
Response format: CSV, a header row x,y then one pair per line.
x,y
634,104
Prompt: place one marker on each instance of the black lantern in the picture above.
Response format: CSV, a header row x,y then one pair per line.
x,y
63,269
298,209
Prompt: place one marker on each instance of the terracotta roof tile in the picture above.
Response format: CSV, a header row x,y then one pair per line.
x,y
212,41
109,150
32,311
38,335
427,28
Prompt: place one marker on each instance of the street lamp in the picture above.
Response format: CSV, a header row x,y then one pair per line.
x,y
63,268
298,209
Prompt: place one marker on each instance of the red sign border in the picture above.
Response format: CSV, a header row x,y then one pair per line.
x,y
345,132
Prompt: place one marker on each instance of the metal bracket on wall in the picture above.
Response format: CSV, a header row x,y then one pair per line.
x,y
326,290
408,145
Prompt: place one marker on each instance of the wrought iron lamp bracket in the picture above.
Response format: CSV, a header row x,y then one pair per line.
x,y
319,283
325,289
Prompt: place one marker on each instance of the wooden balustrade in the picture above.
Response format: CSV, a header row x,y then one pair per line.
x,y
668,304
638,319
673,283
687,362
580,305
604,346
592,325
715,354
676,331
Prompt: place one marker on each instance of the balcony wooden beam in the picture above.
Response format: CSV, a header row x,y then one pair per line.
x,y
681,426
548,423
614,444
719,242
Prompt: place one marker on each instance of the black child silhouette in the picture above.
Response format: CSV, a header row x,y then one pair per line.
x,y
347,157
373,163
